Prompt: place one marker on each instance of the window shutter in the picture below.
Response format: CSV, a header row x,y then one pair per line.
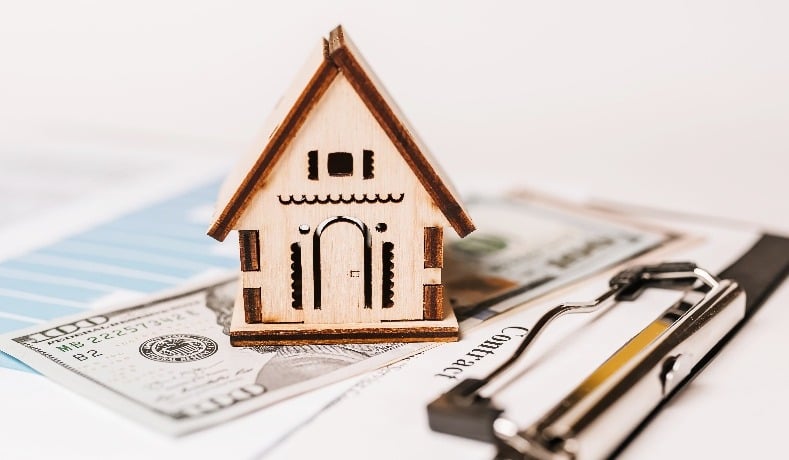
x,y
295,276
434,247
433,301
249,247
253,306
368,165
387,281
312,165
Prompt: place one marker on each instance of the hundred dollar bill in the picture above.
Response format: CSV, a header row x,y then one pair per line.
x,y
526,246
167,361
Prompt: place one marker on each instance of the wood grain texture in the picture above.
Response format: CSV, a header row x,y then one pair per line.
x,y
340,196
339,56
434,247
296,105
249,250
433,301
252,305
350,62
291,202
244,334
328,336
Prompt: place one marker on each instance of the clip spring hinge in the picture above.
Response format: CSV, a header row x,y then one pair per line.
x,y
565,432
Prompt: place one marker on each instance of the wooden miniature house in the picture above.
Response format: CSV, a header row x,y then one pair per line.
x,y
340,216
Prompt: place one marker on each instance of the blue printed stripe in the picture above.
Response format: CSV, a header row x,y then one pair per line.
x,y
118,281
165,241
72,293
147,267
193,253
7,361
35,308
192,233
89,251
10,362
8,324
104,235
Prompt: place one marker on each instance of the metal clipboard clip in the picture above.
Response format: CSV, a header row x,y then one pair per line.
x,y
599,414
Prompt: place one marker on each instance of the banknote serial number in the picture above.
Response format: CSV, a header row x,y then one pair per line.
x,y
73,339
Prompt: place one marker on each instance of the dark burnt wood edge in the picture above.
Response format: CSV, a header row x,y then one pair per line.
x,y
253,305
344,336
340,341
434,247
433,302
274,148
338,58
397,133
249,250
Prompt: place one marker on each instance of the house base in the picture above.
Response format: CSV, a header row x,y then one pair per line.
x,y
243,334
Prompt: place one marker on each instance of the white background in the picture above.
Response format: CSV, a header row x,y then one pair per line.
x,y
673,103
682,105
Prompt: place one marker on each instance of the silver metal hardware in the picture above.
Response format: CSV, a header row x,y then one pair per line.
x,y
600,412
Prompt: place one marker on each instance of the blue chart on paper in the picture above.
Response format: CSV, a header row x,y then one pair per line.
x,y
154,248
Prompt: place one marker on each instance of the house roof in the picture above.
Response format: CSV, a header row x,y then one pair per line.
x,y
336,55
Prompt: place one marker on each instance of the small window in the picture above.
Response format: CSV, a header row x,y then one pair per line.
x,y
434,247
368,165
253,305
387,281
249,244
295,276
312,165
340,164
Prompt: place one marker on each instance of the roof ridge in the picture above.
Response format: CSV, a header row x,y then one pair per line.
x,y
339,57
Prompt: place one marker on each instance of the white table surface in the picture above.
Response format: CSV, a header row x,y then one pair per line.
x,y
679,105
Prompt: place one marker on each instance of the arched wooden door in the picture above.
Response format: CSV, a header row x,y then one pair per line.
x,y
342,269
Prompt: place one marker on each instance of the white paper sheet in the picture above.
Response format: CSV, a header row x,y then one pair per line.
x,y
388,418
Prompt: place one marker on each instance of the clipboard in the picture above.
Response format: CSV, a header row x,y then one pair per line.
x,y
616,401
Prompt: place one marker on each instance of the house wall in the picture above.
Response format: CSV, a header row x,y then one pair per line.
x,y
340,122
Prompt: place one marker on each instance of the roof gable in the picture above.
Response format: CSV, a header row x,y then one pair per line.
x,y
337,55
